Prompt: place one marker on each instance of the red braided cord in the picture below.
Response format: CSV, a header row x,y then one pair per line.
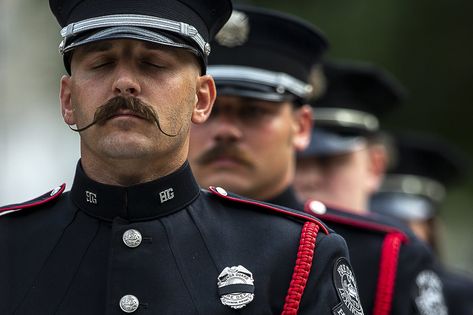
x,y
301,272
387,277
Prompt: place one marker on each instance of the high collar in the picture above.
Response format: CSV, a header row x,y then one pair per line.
x,y
287,199
135,203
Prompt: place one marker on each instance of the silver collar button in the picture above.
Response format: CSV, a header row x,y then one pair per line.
x,y
132,238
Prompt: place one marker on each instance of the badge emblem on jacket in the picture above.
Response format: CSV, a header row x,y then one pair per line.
x,y
236,286
347,290
430,298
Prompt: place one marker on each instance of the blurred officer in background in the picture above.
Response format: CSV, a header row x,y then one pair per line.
x,y
346,159
337,173
423,168
262,62
136,233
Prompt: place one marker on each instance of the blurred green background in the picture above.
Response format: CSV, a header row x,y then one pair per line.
x,y
427,45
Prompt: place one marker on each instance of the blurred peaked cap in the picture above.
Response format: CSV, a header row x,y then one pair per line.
x,y
403,206
428,156
357,95
326,143
423,167
188,24
265,54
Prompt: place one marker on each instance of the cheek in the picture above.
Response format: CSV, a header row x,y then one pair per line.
x,y
276,133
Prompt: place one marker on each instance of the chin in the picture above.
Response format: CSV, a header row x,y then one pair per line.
x,y
126,147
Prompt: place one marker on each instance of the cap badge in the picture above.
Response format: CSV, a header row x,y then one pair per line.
x,y
345,283
235,32
236,286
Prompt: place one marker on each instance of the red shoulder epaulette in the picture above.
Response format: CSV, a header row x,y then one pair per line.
x,y
354,222
300,215
41,200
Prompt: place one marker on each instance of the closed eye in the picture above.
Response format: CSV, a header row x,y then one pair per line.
x,y
101,65
152,64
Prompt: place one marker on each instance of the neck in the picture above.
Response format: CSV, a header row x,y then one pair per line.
x,y
128,172
287,198
352,207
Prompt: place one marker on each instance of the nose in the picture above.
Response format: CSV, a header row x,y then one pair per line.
x,y
226,129
309,176
126,82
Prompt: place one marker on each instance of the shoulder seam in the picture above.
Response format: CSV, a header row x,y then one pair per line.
x,y
302,215
357,223
53,194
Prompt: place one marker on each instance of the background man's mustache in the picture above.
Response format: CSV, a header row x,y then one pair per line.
x,y
224,150
114,105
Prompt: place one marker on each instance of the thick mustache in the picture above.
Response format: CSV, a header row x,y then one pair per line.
x,y
224,150
113,107
118,103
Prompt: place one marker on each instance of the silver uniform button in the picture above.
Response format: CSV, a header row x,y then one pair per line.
x,y
221,191
132,238
317,207
55,190
129,303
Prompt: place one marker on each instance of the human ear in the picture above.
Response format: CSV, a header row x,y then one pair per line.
x,y
378,160
67,109
302,127
206,93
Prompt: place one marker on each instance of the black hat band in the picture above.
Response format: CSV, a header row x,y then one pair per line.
x,y
280,82
342,117
116,22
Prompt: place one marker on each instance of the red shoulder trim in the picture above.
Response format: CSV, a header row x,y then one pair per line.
x,y
305,256
45,198
222,193
358,223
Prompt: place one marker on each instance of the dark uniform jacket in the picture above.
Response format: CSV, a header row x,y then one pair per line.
x,y
164,244
390,263
458,289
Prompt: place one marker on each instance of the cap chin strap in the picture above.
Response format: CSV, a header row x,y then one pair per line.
x,y
346,118
279,81
414,185
131,33
141,21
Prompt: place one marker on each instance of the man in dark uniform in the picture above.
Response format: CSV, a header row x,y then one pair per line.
x,y
343,165
423,167
262,63
136,234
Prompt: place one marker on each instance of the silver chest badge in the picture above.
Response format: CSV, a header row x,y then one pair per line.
x,y
236,286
